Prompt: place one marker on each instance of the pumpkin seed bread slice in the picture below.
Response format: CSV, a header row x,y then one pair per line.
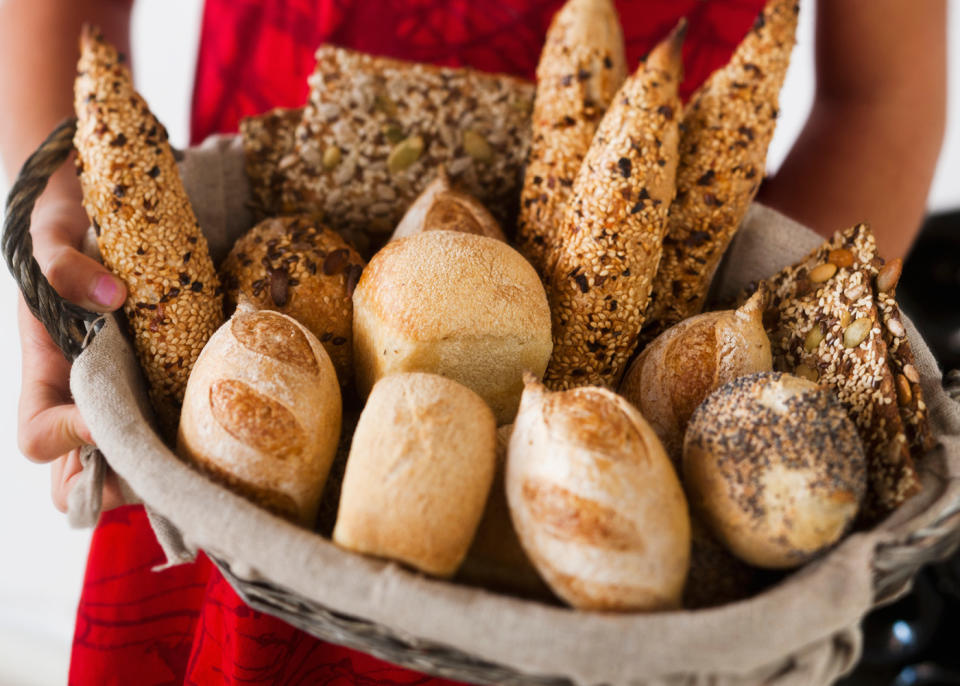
x,y
581,67
376,129
610,241
723,148
146,229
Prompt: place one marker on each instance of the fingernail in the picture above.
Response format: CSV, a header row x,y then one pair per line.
x,y
106,291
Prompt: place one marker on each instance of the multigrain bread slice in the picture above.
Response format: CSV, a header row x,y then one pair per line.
x,y
825,324
268,142
581,67
375,130
723,148
146,229
609,244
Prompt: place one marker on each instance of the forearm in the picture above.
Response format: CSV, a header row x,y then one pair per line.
x,y
38,57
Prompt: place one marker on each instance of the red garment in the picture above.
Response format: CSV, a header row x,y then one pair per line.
x,y
185,625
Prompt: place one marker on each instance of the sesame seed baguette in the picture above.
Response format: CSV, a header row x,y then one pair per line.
x,y
723,148
581,67
146,229
825,325
610,240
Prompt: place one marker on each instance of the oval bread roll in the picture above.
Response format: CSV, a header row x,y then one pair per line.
x,y
467,307
262,412
595,501
418,474
775,467
440,208
674,374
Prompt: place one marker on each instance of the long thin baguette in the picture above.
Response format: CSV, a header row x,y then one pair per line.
x,y
146,228
581,67
610,241
726,130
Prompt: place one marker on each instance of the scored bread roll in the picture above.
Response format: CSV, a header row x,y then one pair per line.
x,y
595,501
674,374
441,208
262,413
418,473
467,307
775,467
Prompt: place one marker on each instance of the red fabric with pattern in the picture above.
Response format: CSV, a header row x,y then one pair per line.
x,y
185,625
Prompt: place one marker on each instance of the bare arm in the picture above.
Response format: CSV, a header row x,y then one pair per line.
x,y
869,149
38,56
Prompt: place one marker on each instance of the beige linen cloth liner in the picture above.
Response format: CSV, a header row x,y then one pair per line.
x,y
802,631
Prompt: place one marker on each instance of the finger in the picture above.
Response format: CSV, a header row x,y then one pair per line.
x,y
83,280
53,432
60,471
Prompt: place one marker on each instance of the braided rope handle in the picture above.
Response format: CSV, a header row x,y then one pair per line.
x,y
66,323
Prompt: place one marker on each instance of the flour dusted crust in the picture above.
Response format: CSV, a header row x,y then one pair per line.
x,y
268,142
146,229
440,207
581,67
825,324
608,246
262,413
726,130
375,129
299,267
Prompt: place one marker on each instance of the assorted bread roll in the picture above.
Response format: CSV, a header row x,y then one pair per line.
x,y
467,307
596,502
775,467
262,412
441,208
679,369
299,267
418,474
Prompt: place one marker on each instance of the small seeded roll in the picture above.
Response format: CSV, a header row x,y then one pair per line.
x,y
775,468
467,307
262,413
303,269
441,208
418,474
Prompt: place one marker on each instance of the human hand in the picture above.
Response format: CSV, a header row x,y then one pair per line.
x,y
49,426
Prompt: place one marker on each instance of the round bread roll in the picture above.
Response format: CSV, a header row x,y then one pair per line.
x,y
467,307
418,473
681,367
261,412
775,467
303,269
440,208
596,502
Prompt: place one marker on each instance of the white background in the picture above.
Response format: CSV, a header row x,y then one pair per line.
x,y
41,559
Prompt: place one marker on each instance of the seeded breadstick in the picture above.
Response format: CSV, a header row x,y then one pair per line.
x,y
610,240
726,130
824,325
581,67
268,141
146,228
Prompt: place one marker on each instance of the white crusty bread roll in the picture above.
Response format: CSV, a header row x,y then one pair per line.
x,y
441,208
684,364
775,467
262,412
595,501
467,307
418,473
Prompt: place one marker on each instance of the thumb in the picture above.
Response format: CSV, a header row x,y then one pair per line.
x,y
83,281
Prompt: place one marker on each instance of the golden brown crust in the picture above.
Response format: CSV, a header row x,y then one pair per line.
x,y
726,130
441,208
275,337
610,241
581,67
256,419
375,129
146,229
301,268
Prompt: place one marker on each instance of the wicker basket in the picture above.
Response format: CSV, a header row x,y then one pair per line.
x,y
895,560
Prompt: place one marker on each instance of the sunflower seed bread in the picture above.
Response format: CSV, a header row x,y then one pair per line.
x,y
609,244
375,129
268,142
825,325
581,67
726,130
146,229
